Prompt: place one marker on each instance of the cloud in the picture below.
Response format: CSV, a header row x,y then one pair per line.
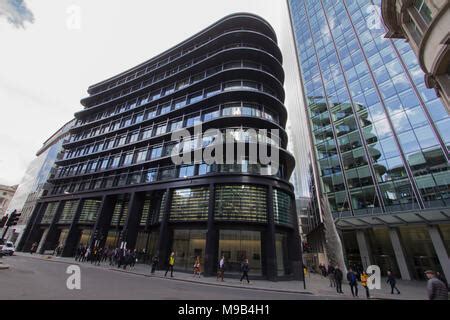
x,y
16,12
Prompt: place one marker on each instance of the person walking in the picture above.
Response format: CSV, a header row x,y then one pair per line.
x,y
353,282
330,273
197,268
364,278
33,247
245,268
155,261
338,276
221,268
441,277
170,265
436,289
392,282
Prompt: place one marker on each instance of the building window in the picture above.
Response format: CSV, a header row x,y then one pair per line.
x,y
187,245
89,211
238,245
68,212
189,204
423,10
241,203
50,212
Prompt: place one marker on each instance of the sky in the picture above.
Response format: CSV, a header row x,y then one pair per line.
x,y
52,50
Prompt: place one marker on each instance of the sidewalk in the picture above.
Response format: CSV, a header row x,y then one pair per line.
x,y
315,284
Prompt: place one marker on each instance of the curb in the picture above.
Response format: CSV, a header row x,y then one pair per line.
x,y
214,284
50,259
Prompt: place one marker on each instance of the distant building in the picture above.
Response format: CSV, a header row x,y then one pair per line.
x,y
425,24
33,184
6,194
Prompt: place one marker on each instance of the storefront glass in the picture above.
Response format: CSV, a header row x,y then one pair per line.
x,y
420,253
237,245
187,245
282,254
382,251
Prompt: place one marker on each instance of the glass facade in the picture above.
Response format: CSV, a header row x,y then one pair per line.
x,y
238,245
187,245
381,138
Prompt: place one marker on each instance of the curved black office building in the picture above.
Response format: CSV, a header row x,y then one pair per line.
x,y
116,183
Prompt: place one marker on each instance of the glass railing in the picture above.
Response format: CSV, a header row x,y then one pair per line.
x,y
161,63
174,104
156,152
149,97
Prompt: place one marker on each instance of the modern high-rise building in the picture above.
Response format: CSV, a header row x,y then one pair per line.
x,y
380,136
34,183
117,185
425,25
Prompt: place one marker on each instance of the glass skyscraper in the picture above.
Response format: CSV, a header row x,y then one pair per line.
x,y
380,137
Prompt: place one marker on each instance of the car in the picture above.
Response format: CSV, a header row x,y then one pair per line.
x,y
8,248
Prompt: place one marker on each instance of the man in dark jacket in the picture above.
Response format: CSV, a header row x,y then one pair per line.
x,y
353,282
155,262
338,276
393,282
245,268
436,288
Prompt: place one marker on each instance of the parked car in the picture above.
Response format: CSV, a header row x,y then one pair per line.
x,y
8,248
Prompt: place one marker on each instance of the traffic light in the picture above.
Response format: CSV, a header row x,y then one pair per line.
x,y
3,221
13,218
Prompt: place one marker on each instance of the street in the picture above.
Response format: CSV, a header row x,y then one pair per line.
x,y
34,278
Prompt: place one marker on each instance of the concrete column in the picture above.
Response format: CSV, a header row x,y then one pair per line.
x,y
130,229
399,254
441,252
212,237
269,239
73,234
101,226
51,236
295,246
364,248
163,241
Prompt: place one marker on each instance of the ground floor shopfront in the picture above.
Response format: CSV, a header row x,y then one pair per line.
x,y
407,250
238,221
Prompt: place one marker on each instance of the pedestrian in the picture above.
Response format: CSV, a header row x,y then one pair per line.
x,y
245,268
170,264
33,247
197,268
330,273
392,281
353,282
133,258
441,277
436,289
155,261
338,276
364,278
87,254
221,269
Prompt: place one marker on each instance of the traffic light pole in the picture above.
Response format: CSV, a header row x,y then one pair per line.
x,y
4,232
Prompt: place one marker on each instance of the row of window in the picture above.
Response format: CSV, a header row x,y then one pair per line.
x,y
136,156
145,176
171,125
148,69
164,108
189,80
